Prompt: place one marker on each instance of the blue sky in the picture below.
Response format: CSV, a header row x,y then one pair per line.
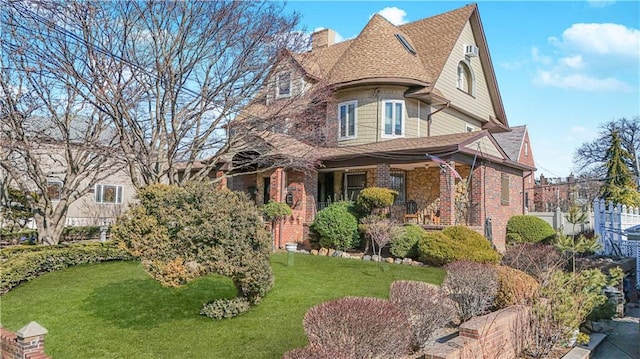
x,y
563,67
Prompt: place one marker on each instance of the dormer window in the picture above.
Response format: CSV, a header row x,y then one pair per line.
x,y
283,85
466,80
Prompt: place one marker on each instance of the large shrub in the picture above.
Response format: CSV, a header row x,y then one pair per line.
x,y
336,227
406,245
455,244
528,229
426,305
359,328
181,233
514,287
24,263
472,287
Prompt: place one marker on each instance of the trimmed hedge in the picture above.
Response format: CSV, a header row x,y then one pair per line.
x,y
28,262
457,243
406,246
529,229
336,227
79,233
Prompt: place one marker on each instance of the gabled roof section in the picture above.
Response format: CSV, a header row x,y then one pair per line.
x,y
378,53
511,142
435,37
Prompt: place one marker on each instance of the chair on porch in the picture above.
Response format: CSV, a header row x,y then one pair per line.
x,y
411,214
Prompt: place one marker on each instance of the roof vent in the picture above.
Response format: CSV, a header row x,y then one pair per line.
x,y
406,44
471,50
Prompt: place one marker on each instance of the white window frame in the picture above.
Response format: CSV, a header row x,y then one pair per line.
x,y
99,193
59,185
461,84
348,135
278,80
469,128
394,118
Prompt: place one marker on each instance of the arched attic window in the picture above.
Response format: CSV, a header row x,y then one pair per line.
x,y
466,78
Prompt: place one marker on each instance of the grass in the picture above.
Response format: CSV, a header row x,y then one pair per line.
x,y
115,310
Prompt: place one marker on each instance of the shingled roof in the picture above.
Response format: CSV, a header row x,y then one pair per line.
x,y
511,142
377,53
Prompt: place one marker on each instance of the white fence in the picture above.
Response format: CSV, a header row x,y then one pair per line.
x,y
610,221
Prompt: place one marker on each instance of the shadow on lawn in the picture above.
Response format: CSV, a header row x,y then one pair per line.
x,y
144,303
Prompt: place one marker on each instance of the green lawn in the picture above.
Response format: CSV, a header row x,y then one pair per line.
x,y
114,310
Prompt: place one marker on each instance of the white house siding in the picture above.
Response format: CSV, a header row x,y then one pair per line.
x,y
480,104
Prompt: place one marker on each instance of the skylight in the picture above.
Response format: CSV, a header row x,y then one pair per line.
x,y
406,44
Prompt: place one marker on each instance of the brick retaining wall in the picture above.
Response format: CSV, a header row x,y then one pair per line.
x,y
498,335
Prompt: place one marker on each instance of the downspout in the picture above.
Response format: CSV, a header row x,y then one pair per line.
x,y
376,93
429,119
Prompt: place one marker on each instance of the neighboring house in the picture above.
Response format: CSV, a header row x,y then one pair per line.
x,y
562,193
411,104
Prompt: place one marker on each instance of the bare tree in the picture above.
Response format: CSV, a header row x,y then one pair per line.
x,y
170,75
54,145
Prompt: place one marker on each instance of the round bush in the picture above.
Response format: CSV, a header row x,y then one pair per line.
x,y
225,308
456,243
406,245
514,287
372,198
182,233
529,229
336,227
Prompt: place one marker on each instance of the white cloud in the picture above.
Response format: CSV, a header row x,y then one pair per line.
x,y
574,62
590,57
600,39
580,134
579,82
600,3
535,55
395,15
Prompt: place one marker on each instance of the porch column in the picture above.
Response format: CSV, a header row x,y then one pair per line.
x,y
223,179
311,195
277,193
447,196
383,175
477,197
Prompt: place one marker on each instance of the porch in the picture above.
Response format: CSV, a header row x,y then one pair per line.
x,y
428,193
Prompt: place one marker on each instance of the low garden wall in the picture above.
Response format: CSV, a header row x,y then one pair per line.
x,y
26,343
499,335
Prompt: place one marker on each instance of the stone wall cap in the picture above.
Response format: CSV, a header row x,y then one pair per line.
x,y
32,329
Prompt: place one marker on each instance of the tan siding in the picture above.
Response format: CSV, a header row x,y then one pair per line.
x,y
480,105
486,146
298,84
369,125
449,121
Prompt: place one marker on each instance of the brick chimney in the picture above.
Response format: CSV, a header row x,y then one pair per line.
x,y
323,38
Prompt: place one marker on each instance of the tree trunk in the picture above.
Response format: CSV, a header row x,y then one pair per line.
x,y
50,229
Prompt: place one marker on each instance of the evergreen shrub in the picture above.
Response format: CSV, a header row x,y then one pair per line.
x,y
514,287
182,233
336,227
24,263
454,244
406,245
529,229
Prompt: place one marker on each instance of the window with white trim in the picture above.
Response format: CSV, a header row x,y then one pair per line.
x,y
108,194
465,80
469,128
354,183
283,84
397,183
347,119
393,118
54,190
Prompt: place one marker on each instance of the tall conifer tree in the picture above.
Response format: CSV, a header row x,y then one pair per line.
x,y
619,186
